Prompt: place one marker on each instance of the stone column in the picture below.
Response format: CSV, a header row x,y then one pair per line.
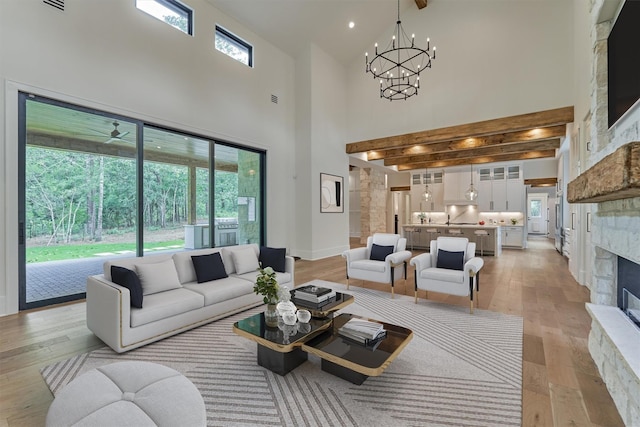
x,y
599,87
373,203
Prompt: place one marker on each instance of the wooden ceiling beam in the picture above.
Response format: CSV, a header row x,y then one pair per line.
x,y
479,160
550,144
472,142
421,4
541,182
538,119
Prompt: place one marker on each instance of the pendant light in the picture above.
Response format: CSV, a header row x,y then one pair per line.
x,y
427,196
471,193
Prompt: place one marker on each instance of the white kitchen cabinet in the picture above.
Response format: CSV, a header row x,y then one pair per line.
x,y
513,236
515,189
435,180
500,189
492,189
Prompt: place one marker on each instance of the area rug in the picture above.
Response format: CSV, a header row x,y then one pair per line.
x,y
459,370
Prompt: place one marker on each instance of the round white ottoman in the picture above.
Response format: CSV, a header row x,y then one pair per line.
x,y
129,394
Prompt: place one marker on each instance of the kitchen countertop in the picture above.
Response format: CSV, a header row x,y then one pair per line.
x,y
489,226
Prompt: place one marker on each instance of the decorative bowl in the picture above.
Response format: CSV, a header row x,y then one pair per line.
x,y
289,318
304,316
284,306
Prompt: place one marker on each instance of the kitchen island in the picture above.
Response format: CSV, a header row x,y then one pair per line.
x,y
418,237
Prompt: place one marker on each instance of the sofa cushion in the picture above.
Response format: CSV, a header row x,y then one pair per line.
x,y
184,263
209,267
166,304
245,260
450,260
222,289
158,277
379,253
443,275
130,280
369,265
273,257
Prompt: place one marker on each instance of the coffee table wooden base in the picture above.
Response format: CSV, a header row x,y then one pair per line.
x,y
341,372
279,362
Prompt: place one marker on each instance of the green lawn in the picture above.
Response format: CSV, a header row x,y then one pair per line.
x,y
61,252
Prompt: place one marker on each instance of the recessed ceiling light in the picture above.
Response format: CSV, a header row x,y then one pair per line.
x,y
351,24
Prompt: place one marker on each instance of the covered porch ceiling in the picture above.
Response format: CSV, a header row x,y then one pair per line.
x,y
57,127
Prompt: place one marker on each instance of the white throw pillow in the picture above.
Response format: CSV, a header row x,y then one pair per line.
x,y
245,260
158,277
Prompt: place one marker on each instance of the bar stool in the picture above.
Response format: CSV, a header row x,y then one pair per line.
x,y
431,232
481,234
455,231
410,231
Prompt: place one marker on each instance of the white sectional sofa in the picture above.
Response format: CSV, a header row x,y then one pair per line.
x,y
183,306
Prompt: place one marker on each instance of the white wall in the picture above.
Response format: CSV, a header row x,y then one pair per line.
x,y
494,59
330,231
111,56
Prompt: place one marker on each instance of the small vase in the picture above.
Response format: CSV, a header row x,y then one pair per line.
x,y
271,315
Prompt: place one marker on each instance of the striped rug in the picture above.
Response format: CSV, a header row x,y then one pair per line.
x,y
459,370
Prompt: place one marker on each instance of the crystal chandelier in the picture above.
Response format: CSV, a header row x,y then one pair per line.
x,y
471,193
399,66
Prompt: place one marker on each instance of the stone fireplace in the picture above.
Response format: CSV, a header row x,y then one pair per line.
x,y
611,184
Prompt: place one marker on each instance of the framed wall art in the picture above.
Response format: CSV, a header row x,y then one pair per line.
x,y
331,193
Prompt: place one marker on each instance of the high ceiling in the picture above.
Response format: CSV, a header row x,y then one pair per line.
x,y
291,25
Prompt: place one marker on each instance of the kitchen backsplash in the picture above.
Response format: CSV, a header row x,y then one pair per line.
x,y
469,214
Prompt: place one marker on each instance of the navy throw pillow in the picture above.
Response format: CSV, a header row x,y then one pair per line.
x,y
130,280
450,260
273,257
379,253
209,267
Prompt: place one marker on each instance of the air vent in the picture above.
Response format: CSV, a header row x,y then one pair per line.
x,y
58,4
274,99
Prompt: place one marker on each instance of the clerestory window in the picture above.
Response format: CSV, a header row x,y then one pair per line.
x,y
233,46
172,12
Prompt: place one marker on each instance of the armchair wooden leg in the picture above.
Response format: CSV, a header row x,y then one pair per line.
x,y
393,273
347,283
415,297
392,292
471,306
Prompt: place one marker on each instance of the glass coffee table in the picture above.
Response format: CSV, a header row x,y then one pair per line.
x,y
352,361
284,348
279,348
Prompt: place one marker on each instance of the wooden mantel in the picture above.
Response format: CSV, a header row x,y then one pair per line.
x,y
617,176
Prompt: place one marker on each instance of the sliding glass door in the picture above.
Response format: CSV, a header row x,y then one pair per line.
x,y
77,198
95,186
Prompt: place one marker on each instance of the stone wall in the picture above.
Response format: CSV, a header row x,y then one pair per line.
x,y
373,203
615,232
619,371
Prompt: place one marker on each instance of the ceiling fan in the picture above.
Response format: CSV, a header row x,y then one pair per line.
x,y
115,135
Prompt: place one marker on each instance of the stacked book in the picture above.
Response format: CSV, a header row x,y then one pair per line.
x,y
314,294
363,331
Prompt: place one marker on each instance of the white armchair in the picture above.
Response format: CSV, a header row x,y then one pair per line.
x,y
451,268
377,261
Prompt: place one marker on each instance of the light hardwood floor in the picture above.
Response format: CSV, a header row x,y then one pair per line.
x,y
561,384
